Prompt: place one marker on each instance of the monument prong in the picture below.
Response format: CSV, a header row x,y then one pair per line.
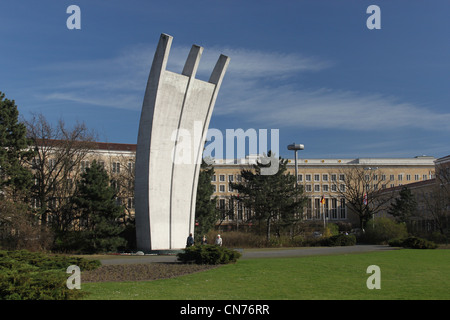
x,y
192,62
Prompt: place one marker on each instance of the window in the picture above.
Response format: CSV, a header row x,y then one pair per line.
x,y
130,203
84,165
317,177
213,178
342,211
222,178
222,204
116,167
300,177
325,188
51,164
307,177
317,208
230,189
416,177
400,177
325,177
101,163
131,166
214,188
424,177
222,188
383,177
334,208
230,178
342,187
317,188
342,177
408,177
308,188
333,177
333,187
309,208
392,177
115,185
238,178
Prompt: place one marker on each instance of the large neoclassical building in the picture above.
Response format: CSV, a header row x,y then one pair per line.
x,y
319,178
323,178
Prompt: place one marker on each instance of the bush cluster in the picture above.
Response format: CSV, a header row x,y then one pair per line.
x,y
413,243
208,254
382,229
339,240
28,275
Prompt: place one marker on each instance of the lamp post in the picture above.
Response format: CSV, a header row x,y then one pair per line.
x,y
296,147
367,196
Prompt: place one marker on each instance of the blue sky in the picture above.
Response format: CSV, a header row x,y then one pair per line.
x,y
311,69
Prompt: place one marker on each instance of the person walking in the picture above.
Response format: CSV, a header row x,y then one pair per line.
x,y
204,240
218,241
190,241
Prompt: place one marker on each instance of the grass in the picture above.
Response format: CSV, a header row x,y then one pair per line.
x,y
405,274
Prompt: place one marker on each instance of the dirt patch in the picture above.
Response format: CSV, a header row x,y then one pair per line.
x,y
141,272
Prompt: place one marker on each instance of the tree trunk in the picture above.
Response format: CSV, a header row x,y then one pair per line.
x,y
268,230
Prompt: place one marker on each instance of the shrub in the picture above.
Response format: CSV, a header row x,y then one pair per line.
x,y
208,254
382,229
339,240
413,243
28,275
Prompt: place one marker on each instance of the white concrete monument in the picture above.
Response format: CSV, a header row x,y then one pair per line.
x,y
176,107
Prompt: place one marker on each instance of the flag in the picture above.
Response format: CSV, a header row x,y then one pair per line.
x,y
365,199
322,201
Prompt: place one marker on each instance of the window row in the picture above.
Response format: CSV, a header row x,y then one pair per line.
x,y
331,209
115,166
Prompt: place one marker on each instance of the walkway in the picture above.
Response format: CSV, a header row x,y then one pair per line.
x,y
253,254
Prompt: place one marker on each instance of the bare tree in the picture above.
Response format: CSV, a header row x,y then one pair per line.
x,y
363,190
59,152
437,199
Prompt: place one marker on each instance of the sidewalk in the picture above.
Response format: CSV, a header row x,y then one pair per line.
x,y
253,254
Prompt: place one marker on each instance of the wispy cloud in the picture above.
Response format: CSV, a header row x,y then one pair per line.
x,y
254,87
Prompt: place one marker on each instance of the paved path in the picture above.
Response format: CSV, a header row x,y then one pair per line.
x,y
253,254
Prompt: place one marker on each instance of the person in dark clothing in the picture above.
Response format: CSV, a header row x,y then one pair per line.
x,y
190,240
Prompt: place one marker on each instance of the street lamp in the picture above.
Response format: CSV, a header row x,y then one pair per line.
x,y
296,147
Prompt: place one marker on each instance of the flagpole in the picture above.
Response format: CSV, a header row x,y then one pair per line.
x,y
322,202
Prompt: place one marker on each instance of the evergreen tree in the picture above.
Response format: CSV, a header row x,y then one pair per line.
x,y
99,211
404,206
273,199
206,213
15,178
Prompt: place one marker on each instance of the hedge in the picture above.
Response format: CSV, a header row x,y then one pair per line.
x,y
413,243
208,254
339,240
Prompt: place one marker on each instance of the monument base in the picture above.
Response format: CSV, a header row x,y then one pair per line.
x,y
167,252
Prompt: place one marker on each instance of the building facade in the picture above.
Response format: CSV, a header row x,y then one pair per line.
x,y
320,178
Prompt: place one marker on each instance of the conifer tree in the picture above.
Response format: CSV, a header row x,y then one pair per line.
x,y
272,199
99,211
404,206
15,178
206,213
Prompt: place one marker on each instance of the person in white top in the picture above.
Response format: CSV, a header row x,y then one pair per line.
x,y
219,240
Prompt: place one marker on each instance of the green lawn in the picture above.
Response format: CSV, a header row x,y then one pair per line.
x,y
405,274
